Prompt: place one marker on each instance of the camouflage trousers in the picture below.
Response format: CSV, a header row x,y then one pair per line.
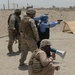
x,y
13,37
27,45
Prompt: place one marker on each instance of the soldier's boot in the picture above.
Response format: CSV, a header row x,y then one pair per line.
x,y
23,58
10,49
53,55
22,64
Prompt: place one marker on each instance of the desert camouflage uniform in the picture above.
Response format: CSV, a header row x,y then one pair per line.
x,y
13,32
29,36
47,65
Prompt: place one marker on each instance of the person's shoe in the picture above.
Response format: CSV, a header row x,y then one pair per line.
x,y
11,52
22,64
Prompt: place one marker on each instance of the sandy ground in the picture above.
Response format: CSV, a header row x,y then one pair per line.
x,y
9,64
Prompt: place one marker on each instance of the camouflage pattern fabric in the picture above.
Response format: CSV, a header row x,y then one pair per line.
x,y
29,37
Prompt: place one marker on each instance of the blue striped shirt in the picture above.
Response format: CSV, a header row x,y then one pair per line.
x,y
43,25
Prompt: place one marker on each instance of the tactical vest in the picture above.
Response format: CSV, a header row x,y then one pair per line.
x,y
35,62
17,21
42,35
26,28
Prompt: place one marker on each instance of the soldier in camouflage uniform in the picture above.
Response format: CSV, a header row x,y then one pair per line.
x,y
29,34
40,63
14,22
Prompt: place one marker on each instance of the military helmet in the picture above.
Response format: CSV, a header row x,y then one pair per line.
x,y
17,11
45,42
30,11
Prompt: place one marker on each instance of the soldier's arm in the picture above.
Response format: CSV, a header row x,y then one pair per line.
x,y
34,28
12,23
43,58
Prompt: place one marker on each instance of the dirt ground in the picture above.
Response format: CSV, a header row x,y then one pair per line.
x,y
9,64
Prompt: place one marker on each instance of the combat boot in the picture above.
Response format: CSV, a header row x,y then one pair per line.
x,y
10,49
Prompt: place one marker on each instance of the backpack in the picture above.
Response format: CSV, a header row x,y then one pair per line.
x,y
36,64
9,18
16,21
26,28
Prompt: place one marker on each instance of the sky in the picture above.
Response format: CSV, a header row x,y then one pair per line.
x,y
38,3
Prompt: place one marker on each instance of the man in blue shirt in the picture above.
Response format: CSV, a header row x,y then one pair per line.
x,y
43,29
43,26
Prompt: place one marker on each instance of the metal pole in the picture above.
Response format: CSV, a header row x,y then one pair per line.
x,y
13,5
17,6
4,6
8,5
